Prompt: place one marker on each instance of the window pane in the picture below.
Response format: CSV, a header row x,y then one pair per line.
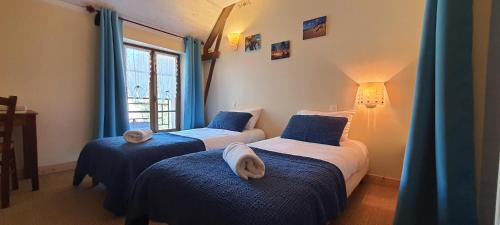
x,y
166,66
138,78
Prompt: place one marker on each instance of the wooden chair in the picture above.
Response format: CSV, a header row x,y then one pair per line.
x,y
8,160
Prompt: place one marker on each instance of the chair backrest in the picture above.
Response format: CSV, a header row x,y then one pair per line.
x,y
7,120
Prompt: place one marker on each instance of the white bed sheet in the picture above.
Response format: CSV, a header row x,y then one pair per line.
x,y
349,157
219,138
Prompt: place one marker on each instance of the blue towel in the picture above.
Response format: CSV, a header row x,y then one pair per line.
x,y
116,163
200,189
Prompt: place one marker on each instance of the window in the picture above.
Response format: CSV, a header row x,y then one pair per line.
x,y
152,88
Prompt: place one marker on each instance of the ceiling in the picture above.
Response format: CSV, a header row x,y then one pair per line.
x,y
184,17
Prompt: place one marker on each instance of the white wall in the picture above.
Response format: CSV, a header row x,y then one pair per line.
x,y
366,41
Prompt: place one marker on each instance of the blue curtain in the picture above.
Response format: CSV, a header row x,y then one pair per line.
x,y
438,183
112,115
194,116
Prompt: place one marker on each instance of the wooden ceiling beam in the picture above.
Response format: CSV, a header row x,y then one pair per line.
x,y
218,28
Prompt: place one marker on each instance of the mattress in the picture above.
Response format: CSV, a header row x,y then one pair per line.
x,y
356,178
351,157
218,138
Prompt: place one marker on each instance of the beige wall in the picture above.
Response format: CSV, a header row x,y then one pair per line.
x,y
48,59
482,13
487,146
145,35
366,41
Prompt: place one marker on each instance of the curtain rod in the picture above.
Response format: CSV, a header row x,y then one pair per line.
x,y
91,9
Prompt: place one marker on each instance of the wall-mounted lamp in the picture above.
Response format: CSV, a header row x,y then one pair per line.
x,y
234,39
371,94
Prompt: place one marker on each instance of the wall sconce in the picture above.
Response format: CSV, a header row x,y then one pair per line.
x,y
371,94
234,39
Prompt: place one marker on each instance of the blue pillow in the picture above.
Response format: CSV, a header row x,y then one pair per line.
x,y
234,121
315,129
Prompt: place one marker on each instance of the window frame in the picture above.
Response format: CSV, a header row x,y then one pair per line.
x,y
153,93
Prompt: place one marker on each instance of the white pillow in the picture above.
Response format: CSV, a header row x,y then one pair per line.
x,y
349,114
255,116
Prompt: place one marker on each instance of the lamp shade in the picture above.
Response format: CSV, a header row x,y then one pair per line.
x,y
371,94
234,39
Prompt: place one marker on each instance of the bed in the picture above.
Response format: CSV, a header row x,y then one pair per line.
x,y
116,163
305,183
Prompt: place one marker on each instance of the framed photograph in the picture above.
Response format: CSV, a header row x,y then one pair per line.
x,y
314,28
280,50
253,43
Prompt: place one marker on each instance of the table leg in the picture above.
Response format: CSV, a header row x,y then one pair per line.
x,y
30,152
5,176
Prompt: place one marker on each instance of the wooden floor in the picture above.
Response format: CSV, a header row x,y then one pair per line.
x,y
59,203
373,202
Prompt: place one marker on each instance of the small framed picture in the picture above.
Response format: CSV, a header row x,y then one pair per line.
x,y
280,50
314,28
253,43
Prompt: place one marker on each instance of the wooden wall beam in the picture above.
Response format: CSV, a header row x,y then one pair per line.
x,y
210,55
214,37
212,67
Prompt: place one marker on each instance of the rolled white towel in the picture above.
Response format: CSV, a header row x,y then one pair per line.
x,y
243,161
138,136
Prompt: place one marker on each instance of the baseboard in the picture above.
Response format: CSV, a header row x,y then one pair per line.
x,y
56,168
376,179
50,169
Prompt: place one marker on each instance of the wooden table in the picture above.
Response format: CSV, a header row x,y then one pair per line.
x,y
27,120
